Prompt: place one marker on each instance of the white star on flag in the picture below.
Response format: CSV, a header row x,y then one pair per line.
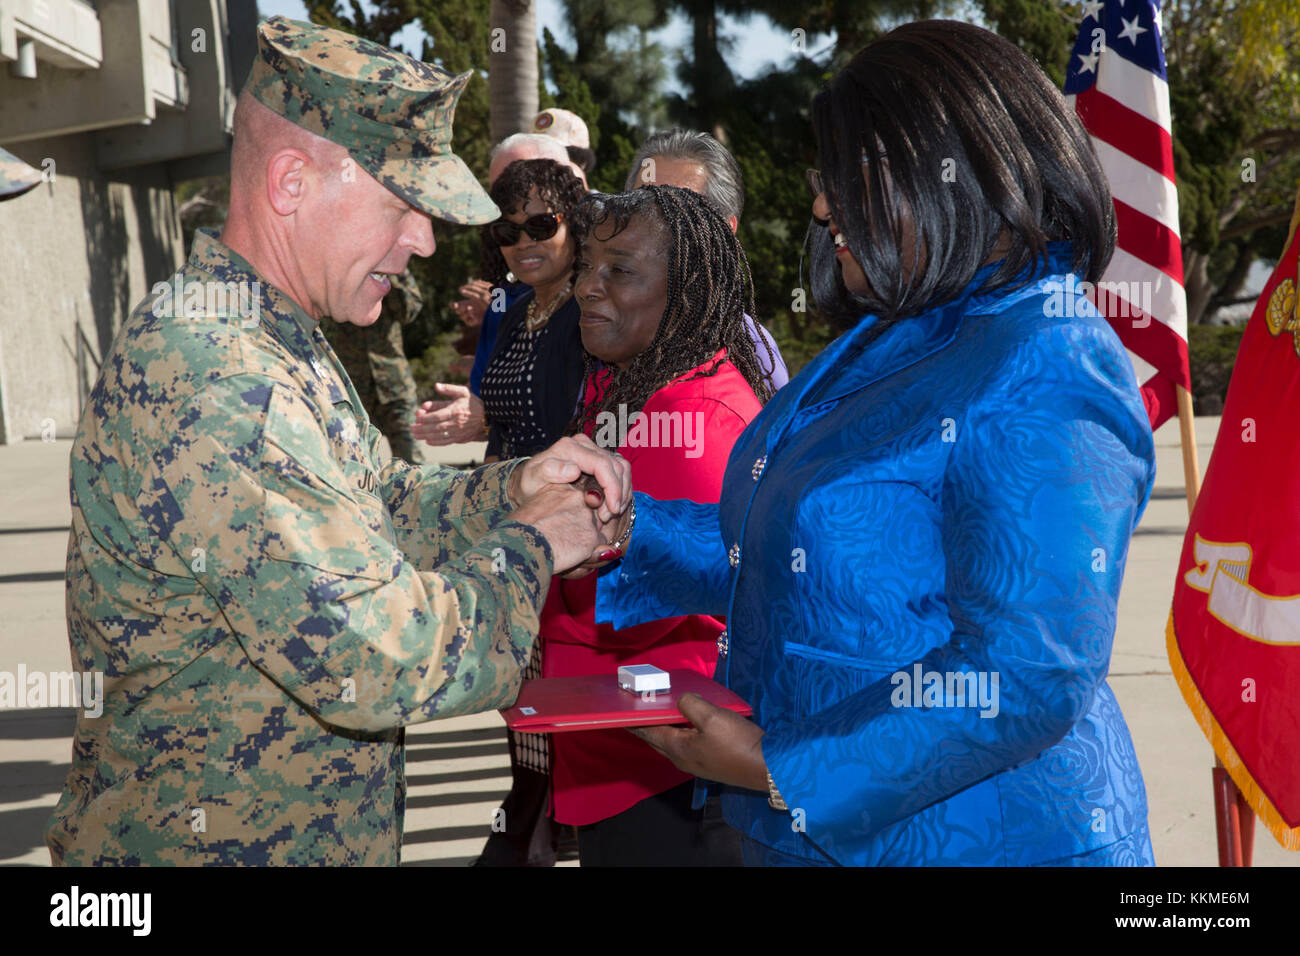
x,y
1124,105
1131,30
1093,8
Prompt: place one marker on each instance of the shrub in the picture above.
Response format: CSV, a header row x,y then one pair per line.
x,y
1212,350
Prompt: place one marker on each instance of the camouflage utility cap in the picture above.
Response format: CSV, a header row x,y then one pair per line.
x,y
16,177
393,114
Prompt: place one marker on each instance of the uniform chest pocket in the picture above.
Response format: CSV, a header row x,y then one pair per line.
x,y
360,476
314,511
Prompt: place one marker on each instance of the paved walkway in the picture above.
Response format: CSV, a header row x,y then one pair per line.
x,y
458,770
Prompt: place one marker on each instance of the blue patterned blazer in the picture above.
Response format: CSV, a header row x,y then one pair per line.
x,y
907,522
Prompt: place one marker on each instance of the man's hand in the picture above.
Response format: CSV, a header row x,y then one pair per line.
x,y
568,460
611,530
720,744
472,308
460,419
562,514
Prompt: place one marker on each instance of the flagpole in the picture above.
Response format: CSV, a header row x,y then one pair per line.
x,y
1234,821
1137,99
1187,437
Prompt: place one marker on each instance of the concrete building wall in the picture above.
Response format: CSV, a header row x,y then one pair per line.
x,y
77,254
118,100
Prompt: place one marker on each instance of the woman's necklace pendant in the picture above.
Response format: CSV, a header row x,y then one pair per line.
x,y
533,320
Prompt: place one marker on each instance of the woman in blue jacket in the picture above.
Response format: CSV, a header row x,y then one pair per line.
x,y
920,541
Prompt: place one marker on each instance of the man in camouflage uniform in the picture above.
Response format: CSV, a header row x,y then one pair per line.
x,y
269,607
16,177
375,360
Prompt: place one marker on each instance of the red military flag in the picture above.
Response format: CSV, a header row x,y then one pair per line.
x,y
1234,632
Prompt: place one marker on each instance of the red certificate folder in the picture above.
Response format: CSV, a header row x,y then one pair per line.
x,y
561,704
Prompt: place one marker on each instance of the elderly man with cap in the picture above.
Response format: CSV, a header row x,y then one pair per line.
x,y
519,146
569,129
268,604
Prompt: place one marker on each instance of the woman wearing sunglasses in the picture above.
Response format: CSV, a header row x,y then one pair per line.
x,y
920,540
532,379
530,387
665,291
529,392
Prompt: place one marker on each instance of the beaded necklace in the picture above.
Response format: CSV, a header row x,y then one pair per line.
x,y
535,321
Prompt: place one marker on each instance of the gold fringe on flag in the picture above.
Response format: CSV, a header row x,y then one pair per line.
x,y
1289,837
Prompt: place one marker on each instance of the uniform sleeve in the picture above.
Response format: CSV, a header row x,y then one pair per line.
x,y
1045,484
304,567
438,511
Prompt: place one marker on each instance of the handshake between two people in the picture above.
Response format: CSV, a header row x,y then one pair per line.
x,y
579,498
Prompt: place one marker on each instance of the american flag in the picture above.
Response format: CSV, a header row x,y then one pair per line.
x,y
1116,83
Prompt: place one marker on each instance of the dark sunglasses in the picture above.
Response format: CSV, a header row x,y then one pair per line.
x,y
539,227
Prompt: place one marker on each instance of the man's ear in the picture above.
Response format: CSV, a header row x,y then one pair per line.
x,y
734,223
286,175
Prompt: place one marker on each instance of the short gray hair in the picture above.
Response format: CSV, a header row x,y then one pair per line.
x,y
726,187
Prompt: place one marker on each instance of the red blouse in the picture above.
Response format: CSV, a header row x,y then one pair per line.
x,y
679,450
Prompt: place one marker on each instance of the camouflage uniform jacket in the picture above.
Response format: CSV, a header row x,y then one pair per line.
x,y
268,607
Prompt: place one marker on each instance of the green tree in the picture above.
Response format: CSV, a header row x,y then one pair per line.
x,y
458,41
854,23
1234,90
614,56
773,143
1044,30
765,121
611,79
1234,80
708,80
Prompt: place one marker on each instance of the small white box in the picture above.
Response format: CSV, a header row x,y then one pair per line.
x,y
639,678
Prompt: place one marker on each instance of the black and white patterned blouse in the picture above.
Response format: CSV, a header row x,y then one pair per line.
x,y
531,386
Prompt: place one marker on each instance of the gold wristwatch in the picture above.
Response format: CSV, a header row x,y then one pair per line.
x,y
774,798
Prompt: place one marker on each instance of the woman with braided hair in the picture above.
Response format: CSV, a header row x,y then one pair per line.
x,y
672,381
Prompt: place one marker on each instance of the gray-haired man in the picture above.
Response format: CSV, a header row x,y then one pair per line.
x,y
698,162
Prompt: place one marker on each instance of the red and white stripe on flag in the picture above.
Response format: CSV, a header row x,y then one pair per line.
x,y
1116,83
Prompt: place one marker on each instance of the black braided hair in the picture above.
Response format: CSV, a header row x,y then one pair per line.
x,y
710,290
556,186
